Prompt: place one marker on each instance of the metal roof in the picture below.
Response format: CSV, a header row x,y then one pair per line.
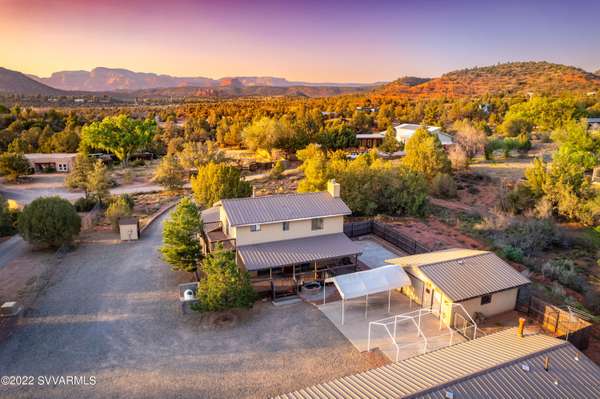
x,y
278,208
381,279
493,366
462,273
211,215
295,251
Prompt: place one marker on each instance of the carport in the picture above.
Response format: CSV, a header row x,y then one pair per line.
x,y
368,282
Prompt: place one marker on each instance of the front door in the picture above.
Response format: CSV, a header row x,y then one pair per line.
x,y
427,297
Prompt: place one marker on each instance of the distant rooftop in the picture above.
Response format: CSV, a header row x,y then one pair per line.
x,y
500,365
278,208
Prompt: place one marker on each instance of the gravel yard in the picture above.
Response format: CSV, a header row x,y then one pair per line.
x,y
111,312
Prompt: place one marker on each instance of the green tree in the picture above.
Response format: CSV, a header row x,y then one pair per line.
x,y
119,207
314,166
98,182
7,218
225,285
216,181
514,126
13,165
169,173
537,177
181,246
77,179
389,144
120,135
49,221
425,154
195,154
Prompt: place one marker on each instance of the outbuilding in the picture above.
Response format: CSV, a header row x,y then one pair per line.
x,y
478,281
129,228
55,162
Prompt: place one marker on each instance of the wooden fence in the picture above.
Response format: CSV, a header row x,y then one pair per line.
x,y
569,324
388,233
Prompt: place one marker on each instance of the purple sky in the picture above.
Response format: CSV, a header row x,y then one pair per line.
x,y
309,40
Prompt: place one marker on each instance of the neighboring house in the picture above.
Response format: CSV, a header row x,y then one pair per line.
x,y
500,365
593,123
403,133
59,162
284,239
479,281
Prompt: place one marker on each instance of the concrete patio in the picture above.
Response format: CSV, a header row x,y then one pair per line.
x,y
410,343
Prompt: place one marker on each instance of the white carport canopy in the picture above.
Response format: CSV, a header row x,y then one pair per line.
x,y
368,282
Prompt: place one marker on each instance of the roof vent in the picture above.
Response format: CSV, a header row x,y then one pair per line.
x,y
449,395
577,357
461,261
525,367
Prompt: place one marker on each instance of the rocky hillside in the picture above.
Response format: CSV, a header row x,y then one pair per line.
x,y
111,79
16,82
510,78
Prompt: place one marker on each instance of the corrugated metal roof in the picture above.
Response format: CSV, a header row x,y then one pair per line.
x,y
490,366
211,215
277,208
288,252
462,274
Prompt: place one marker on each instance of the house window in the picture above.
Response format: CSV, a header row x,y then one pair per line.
x,y
317,224
255,227
62,167
285,226
485,299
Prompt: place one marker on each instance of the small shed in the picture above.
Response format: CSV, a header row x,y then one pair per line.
x,y
129,228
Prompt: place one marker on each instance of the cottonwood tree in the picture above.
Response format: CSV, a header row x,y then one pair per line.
x,y
225,285
49,221
120,135
181,245
215,181
471,139
314,166
425,154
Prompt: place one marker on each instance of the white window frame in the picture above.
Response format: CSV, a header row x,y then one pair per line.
x,y
254,227
320,222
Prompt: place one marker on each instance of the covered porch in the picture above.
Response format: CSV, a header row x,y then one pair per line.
x,y
280,268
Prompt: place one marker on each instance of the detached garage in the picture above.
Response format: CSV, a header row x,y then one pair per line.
x,y
478,280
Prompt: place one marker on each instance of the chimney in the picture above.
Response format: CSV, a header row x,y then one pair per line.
x,y
253,191
521,326
333,188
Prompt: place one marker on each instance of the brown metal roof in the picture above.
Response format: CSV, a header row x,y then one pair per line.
x,y
288,252
277,208
490,366
462,273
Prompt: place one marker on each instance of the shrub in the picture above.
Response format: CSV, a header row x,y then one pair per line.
x,y
49,221
513,254
117,209
277,170
517,200
169,173
8,219
84,204
13,165
565,272
443,186
458,158
224,285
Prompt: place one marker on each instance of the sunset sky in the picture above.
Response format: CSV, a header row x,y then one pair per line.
x,y
318,41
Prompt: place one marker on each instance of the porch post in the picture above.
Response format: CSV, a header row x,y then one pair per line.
x,y
315,270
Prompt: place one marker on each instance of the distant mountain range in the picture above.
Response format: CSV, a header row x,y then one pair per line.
x,y
16,82
509,78
111,79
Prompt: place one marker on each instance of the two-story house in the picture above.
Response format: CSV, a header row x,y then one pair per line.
x,y
284,239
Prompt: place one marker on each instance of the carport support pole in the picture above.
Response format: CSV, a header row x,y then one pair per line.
x,y
389,300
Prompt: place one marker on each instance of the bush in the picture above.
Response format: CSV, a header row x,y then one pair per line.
x,y
443,186
458,158
13,165
137,163
8,219
277,170
84,204
518,200
49,221
224,285
118,208
565,272
513,254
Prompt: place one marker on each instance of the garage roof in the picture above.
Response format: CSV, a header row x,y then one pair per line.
x,y
502,365
464,273
296,251
381,279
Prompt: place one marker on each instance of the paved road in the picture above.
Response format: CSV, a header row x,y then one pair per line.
x,y
111,312
12,249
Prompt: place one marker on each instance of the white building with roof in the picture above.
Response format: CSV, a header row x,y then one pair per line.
x,y
403,133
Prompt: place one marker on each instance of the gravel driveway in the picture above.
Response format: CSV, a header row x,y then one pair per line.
x,y
111,312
